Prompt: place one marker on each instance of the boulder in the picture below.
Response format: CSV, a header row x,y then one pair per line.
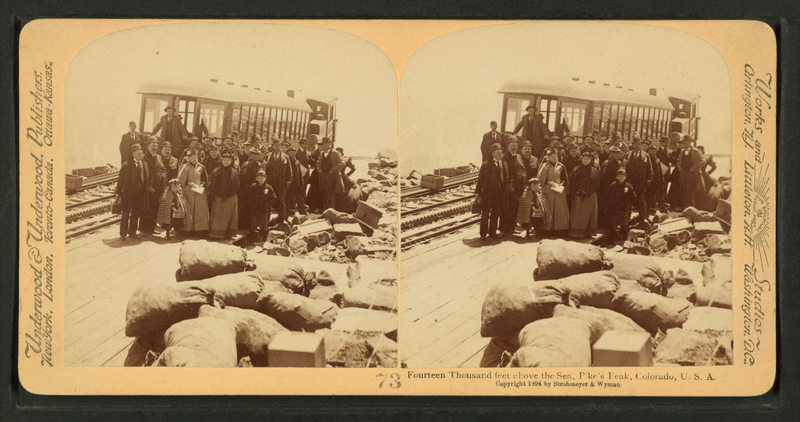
x,y
696,216
687,347
703,229
718,244
707,318
358,319
277,250
297,245
338,217
636,233
353,247
658,242
383,352
342,230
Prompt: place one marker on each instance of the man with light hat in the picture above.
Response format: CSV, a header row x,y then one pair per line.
x,y
169,161
329,167
133,187
279,176
530,161
492,190
158,174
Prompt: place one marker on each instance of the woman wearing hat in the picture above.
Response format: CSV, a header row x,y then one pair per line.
x,y
583,183
555,181
224,189
193,179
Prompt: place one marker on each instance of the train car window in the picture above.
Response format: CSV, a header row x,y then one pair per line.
x,y
612,122
515,109
244,121
213,116
548,107
186,111
629,122
606,118
236,116
635,120
639,116
597,114
646,122
153,110
259,128
573,114
660,122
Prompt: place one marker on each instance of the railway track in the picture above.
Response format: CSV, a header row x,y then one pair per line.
x,y
449,183
88,226
95,181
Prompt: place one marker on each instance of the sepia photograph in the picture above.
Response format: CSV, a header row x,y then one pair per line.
x,y
565,199
231,199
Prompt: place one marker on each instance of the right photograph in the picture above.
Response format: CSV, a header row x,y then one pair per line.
x,y
565,199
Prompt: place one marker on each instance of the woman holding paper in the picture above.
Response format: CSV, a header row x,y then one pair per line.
x,y
194,179
224,189
554,179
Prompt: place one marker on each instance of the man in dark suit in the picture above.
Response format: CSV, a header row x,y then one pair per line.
x,y
348,163
172,131
516,172
279,176
329,168
295,194
128,139
133,187
492,189
490,138
533,129
640,174
691,165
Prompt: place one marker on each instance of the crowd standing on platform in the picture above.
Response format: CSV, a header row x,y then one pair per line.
x,y
571,186
214,187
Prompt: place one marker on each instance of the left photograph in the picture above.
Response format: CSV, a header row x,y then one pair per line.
x,y
231,199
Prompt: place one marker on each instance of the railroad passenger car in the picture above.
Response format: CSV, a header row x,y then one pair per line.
x,y
579,107
216,109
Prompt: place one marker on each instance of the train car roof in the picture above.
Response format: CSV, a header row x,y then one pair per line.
x,y
585,91
682,95
221,91
323,98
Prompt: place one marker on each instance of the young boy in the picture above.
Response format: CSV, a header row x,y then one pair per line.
x,y
620,198
172,209
533,208
260,197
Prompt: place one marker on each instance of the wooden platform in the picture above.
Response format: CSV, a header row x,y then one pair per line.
x,y
442,290
101,273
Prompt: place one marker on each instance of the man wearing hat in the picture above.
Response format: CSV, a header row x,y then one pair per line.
x,y
640,174
348,163
655,193
663,155
295,193
490,138
132,190
213,159
608,173
260,198
128,139
158,174
169,161
329,167
279,176
516,171
172,130
604,152
691,165
492,189
533,129
250,168
313,195
573,157
621,196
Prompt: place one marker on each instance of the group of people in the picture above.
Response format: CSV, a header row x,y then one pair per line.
x,y
203,189
574,186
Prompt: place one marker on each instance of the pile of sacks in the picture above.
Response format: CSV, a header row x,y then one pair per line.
x,y
226,307
578,293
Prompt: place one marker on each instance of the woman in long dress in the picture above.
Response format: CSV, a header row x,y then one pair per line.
x,y
583,184
194,179
553,177
224,190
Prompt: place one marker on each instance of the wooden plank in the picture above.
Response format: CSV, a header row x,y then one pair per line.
x,y
118,360
106,350
462,353
442,345
85,339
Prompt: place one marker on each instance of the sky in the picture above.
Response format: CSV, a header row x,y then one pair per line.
x,y
448,90
103,79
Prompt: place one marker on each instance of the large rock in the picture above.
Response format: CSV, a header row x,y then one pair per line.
x,y
659,243
705,318
357,319
368,270
705,228
384,352
718,243
338,217
696,216
353,247
298,245
687,347
277,250
342,230
674,225
718,269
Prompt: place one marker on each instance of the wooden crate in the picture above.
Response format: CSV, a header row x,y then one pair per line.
x,y
368,214
74,182
432,181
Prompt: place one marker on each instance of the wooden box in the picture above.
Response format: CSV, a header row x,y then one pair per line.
x,y
74,182
294,349
368,215
623,348
431,181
